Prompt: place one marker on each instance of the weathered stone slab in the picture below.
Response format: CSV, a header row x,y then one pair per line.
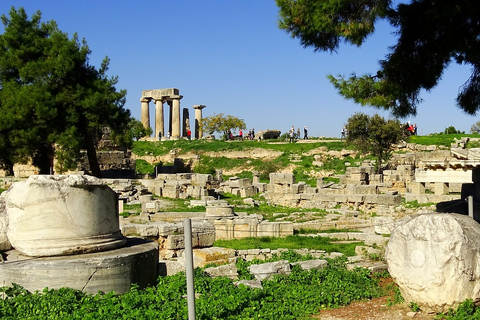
x,y
453,176
226,270
265,271
254,284
312,264
433,258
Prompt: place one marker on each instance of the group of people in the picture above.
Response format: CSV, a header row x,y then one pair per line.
x,y
294,135
411,129
250,136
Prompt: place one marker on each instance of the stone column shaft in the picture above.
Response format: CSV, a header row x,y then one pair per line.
x,y
198,120
159,121
145,114
175,118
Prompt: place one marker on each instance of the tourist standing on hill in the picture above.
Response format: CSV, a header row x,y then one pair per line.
x,y
253,133
240,133
291,133
344,133
305,133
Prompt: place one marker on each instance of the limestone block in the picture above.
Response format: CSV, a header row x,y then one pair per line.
x,y
384,225
433,258
274,229
374,267
312,264
306,196
170,267
204,256
223,229
244,183
261,187
441,188
265,271
341,198
248,192
201,179
145,198
175,242
282,178
355,198
166,229
234,182
418,187
4,242
243,229
219,211
61,215
204,239
171,192
389,199
228,270
452,176
254,284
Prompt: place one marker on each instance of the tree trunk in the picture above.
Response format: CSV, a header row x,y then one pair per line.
x,y
92,154
42,159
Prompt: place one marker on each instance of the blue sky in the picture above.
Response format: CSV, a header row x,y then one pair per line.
x,y
231,57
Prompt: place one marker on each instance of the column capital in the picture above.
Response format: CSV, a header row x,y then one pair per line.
x,y
143,99
199,106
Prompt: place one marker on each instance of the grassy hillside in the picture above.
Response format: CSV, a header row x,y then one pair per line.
x,y
235,157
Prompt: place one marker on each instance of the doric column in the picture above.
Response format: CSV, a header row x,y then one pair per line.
x,y
169,102
185,122
159,123
145,114
176,117
198,119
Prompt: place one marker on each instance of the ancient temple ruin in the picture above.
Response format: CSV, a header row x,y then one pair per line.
x,y
178,127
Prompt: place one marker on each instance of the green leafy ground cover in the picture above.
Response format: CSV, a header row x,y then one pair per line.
x,y
295,296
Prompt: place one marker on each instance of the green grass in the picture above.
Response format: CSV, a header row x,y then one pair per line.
x,y
415,204
290,242
143,167
439,139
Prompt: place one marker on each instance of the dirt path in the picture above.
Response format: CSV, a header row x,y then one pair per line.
x,y
375,309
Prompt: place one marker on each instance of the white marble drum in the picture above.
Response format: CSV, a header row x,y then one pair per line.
x,y
62,215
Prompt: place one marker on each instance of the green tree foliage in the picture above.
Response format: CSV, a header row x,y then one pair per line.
x,y
374,135
51,99
135,131
452,130
431,35
221,123
475,128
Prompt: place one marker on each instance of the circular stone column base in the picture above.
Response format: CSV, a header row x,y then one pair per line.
x,y
114,270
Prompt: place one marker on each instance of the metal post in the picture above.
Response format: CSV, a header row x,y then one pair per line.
x,y
187,231
470,206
